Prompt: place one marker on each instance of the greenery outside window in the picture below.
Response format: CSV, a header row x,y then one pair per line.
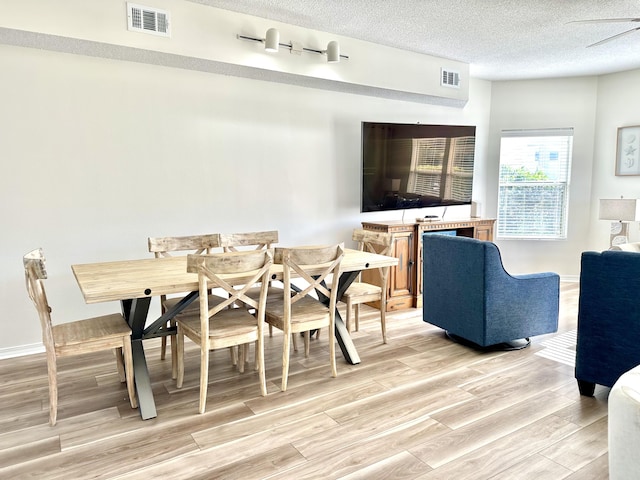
x,y
535,167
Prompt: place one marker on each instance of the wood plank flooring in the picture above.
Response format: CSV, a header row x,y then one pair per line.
x,y
420,407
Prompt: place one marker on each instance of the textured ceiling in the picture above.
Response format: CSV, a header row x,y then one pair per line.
x,y
499,39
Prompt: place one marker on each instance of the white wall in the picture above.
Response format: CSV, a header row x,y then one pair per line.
x,y
618,100
570,102
99,154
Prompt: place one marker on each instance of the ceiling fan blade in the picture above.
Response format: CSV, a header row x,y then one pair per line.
x,y
607,20
613,37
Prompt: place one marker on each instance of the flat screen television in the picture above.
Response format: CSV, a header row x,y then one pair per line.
x,y
416,165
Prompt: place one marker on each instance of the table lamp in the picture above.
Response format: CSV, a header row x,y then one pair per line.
x,y
622,211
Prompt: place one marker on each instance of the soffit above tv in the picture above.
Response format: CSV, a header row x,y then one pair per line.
x,y
76,46
205,40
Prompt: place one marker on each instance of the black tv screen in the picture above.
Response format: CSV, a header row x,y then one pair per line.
x,y
416,165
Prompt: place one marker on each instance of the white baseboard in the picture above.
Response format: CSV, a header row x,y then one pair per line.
x,y
570,278
21,350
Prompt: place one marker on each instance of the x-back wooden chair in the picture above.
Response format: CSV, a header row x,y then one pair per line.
x,y
295,310
360,292
234,242
222,325
167,247
77,337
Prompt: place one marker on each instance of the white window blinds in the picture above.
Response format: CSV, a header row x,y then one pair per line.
x,y
535,167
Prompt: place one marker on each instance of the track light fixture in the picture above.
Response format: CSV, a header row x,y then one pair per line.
x,y
272,40
272,44
333,52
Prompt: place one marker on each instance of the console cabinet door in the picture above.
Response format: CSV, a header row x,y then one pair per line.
x,y
401,277
484,232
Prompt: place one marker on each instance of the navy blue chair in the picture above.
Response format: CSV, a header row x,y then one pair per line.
x,y
608,318
468,293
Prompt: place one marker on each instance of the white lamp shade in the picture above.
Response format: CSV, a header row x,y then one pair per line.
x,y
272,40
621,209
333,52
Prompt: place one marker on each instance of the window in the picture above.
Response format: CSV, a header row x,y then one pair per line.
x,y
442,167
533,192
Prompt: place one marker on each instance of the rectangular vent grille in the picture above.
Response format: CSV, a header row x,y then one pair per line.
x,y
449,78
148,20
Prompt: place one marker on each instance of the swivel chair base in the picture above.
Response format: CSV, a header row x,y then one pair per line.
x,y
518,344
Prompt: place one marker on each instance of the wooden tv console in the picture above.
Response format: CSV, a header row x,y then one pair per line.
x,y
404,289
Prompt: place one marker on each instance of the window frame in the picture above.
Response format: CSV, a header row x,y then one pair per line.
x,y
537,225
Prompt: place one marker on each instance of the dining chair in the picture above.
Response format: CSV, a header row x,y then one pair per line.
x,y
295,310
76,337
234,242
223,325
360,292
167,247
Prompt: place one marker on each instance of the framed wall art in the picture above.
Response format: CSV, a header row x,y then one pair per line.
x,y
628,151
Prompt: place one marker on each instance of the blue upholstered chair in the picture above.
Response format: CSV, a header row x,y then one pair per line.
x,y
467,292
608,318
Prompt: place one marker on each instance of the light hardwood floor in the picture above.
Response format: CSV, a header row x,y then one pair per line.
x,y
420,407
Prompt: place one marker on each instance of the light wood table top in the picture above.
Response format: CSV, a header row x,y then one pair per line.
x,y
128,279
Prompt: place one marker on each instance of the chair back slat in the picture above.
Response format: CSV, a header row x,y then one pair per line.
x,y
35,274
163,246
249,240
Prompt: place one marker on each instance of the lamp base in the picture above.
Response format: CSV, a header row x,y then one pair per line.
x,y
619,233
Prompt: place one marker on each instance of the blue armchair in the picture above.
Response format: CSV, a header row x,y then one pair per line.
x,y
608,318
467,292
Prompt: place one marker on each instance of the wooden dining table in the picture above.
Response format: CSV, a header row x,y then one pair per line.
x,y
135,282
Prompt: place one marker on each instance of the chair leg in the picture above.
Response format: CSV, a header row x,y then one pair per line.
x,y
357,316
120,364
128,365
383,323
295,343
332,349
163,348
242,357
174,353
586,389
260,365
52,370
233,353
204,378
180,357
256,359
349,315
307,337
286,350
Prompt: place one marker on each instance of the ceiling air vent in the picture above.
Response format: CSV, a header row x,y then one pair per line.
x,y
148,20
449,78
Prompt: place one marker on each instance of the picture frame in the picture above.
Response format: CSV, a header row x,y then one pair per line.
x,y
628,151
